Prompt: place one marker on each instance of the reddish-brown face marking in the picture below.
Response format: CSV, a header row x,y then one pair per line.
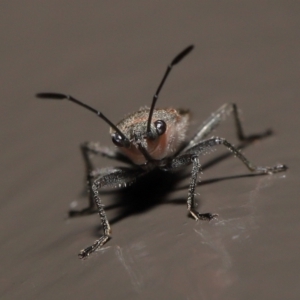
x,y
154,147
134,128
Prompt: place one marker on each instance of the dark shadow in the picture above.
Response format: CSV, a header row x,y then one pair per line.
x,y
152,189
148,192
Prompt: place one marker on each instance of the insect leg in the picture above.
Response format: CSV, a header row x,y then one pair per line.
x,y
117,177
204,146
191,193
183,161
214,121
191,156
88,149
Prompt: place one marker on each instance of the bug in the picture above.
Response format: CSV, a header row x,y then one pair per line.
x,y
153,138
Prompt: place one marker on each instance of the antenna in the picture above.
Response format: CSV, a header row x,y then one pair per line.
x,y
58,96
175,61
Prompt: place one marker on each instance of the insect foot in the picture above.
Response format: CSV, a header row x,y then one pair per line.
x,y
97,244
206,216
272,170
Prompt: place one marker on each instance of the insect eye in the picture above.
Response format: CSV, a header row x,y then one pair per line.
x,y
160,126
118,140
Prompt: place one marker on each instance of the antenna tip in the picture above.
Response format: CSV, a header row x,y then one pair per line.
x,y
182,54
51,96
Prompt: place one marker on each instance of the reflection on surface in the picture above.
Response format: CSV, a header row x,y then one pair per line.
x,y
190,268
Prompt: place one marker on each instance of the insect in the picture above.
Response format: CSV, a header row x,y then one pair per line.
x,y
155,138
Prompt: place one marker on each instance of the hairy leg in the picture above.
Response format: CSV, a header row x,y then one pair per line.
x,y
191,156
116,177
88,149
191,193
214,121
204,146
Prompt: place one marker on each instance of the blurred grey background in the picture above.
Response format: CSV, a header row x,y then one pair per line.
x,y
112,55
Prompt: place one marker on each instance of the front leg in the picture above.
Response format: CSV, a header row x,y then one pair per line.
x,y
191,156
88,149
206,145
116,177
179,162
191,193
104,221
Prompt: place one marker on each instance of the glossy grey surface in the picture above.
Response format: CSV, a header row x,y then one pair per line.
x,y
112,56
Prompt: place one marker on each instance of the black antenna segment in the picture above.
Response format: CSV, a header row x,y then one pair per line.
x,y
58,96
175,61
